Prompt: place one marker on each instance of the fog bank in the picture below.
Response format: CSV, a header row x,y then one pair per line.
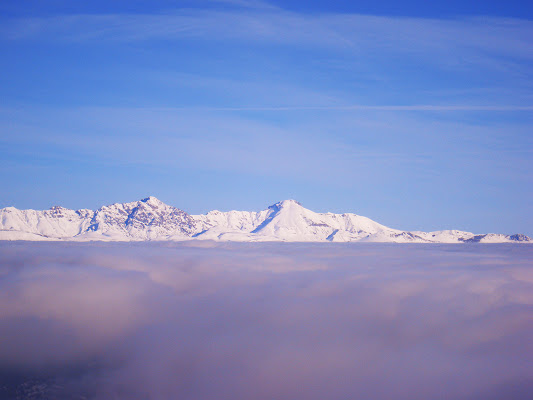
x,y
265,321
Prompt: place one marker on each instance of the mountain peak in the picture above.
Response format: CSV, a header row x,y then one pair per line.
x,y
286,203
151,200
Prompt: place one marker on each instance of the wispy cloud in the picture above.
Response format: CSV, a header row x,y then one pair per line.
x,y
358,34
222,138
360,107
385,52
350,140
257,4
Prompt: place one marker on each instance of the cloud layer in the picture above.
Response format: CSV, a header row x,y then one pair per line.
x,y
226,321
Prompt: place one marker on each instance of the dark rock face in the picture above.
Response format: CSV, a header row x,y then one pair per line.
x,y
519,237
168,218
137,218
475,239
408,236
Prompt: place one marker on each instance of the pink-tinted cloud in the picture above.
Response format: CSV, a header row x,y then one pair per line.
x,y
266,321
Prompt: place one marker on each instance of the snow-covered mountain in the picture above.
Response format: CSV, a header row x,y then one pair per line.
x,y
286,221
147,219
151,219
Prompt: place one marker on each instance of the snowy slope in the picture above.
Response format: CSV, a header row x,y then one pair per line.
x,y
285,221
230,226
57,222
151,219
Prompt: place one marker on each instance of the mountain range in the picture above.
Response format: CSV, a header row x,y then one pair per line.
x,y
151,219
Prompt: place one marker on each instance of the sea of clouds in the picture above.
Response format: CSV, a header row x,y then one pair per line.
x,y
201,320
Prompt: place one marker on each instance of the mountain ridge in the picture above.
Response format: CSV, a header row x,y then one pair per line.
x,y
151,219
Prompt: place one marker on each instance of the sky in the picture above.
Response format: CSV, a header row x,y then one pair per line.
x,y
265,321
415,114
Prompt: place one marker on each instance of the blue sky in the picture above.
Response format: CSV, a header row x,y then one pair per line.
x,y
415,114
